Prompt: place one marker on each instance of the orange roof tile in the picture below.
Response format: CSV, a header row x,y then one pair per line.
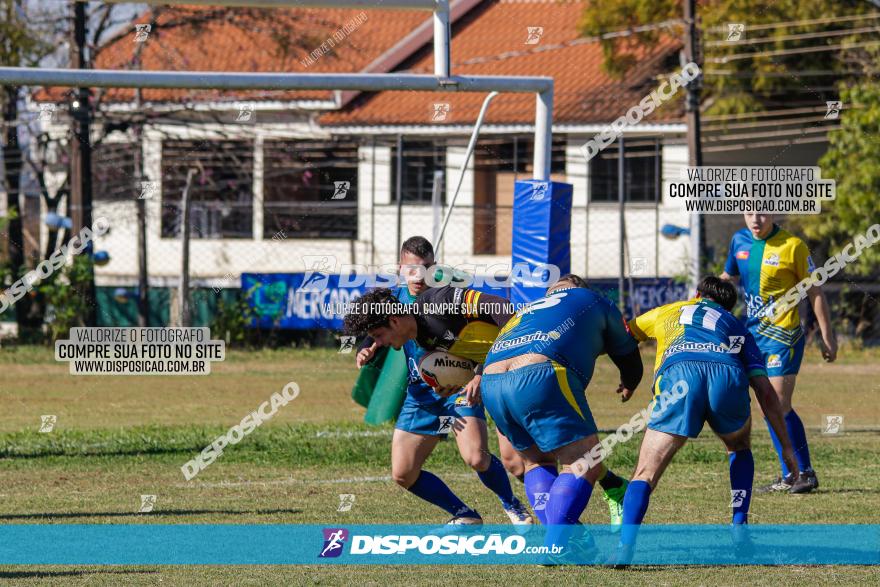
x,y
491,40
488,40
261,40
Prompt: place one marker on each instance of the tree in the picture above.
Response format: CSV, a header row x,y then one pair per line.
x,y
853,160
23,43
109,41
752,73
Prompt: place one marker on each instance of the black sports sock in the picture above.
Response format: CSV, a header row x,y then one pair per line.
x,y
610,481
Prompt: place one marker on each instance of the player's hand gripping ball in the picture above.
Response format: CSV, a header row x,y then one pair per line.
x,y
445,372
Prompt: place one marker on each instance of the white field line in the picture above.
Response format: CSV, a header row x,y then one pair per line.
x,y
292,481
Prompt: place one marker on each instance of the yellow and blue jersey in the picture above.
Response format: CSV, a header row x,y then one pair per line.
x,y
768,268
572,327
698,330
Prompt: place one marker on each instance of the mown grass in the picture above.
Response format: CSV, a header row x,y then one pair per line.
x,y
121,437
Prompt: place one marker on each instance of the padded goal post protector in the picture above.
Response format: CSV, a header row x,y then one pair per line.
x,y
541,233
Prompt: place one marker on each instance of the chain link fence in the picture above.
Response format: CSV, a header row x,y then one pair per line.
x,y
266,203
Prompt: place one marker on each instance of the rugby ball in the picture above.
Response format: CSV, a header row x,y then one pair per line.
x,y
440,369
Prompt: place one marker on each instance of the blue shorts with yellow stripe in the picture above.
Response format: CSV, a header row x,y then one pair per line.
x,y
540,404
432,419
689,393
781,358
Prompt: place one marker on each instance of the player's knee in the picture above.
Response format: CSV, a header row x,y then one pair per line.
x,y
514,465
477,460
405,478
647,475
738,444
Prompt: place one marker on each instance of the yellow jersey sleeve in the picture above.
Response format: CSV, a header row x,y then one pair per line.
x,y
642,327
801,261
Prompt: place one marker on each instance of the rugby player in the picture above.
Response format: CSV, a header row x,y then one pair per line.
x,y
767,262
533,386
706,360
418,428
467,327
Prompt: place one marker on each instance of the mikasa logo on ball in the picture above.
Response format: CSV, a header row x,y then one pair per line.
x,y
448,361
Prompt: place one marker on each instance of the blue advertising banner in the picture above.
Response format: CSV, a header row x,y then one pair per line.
x,y
646,294
313,300
271,544
299,301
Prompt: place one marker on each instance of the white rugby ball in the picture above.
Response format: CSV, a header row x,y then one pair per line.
x,y
441,369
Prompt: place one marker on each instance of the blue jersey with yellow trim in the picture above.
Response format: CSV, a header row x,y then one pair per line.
x,y
571,326
768,268
698,330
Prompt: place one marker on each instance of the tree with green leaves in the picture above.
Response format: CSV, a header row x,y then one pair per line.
x,y
764,67
25,40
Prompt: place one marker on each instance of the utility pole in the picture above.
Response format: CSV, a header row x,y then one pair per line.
x,y
184,308
692,108
143,292
621,226
80,203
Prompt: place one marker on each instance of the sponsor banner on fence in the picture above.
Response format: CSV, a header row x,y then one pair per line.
x,y
269,544
313,300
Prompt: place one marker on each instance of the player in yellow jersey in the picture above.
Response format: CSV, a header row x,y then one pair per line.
x,y
767,262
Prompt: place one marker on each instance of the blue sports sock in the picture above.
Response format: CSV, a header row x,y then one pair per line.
x,y
778,446
432,489
742,475
569,496
495,478
798,440
635,504
539,481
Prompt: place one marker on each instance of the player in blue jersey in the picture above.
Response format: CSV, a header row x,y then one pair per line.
x,y
467,324
426,417
768,263
706,360
533,386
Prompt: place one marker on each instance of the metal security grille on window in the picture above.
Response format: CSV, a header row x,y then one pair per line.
x,y
641,167
221,192
310,189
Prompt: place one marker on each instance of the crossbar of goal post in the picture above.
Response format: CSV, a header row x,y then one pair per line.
x,y
368,82
441,81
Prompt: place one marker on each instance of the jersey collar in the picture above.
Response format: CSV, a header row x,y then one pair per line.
x,y
769,236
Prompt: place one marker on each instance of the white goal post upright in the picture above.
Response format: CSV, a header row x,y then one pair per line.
x,y
442,80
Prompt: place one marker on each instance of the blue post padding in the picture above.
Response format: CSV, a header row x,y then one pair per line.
x,y
541,233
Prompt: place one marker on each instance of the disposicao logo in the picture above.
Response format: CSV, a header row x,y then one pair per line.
x,y
334,540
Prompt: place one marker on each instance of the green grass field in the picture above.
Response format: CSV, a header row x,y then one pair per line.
x,y
117,438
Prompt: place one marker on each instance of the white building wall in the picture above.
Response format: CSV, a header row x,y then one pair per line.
x,y
219,262
595,235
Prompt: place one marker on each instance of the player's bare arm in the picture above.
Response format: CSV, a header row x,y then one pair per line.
x,y
819,303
